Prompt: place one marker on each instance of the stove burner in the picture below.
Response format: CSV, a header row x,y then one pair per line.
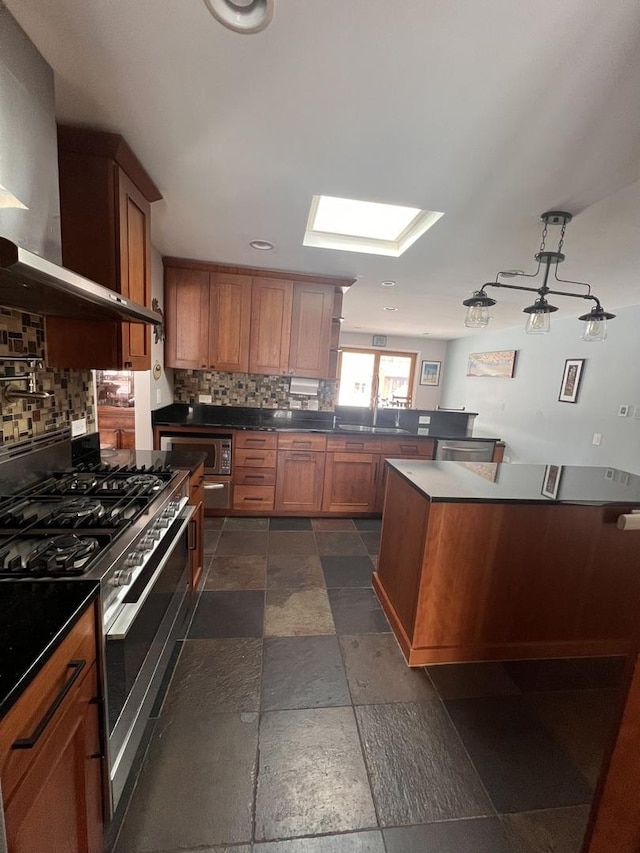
x,y
80,509
144,481
66,553
82,482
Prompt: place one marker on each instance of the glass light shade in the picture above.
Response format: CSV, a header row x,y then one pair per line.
x,y
477,316
594,329
538,323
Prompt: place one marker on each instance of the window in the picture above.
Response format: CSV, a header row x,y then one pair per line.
x,y
370,376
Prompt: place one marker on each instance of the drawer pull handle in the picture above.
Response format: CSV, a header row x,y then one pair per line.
x,y
256,442
258,500
29,742
408,448
211,487
255,459
254,476
301,457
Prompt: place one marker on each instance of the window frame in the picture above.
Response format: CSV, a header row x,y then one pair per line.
x,y
378,353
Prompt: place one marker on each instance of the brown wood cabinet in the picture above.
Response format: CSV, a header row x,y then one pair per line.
x,y
254,471
196,498
249,320
300,476
117,427
52,790
105,211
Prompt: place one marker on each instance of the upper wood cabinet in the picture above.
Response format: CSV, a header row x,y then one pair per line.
x,y
246,320
105,197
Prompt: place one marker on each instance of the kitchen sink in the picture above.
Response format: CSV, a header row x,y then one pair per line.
x,y
376,430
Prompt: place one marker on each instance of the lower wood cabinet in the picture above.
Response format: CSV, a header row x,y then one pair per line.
x,y
52,788
299,481
254,471
117,427
350,482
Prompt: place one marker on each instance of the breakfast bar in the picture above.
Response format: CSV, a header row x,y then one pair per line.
x,y
484,561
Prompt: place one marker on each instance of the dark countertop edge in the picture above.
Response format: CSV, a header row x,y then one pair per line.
x,y
326,431
15,692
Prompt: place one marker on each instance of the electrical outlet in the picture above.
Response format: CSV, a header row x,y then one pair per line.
x,y
636,413
78,427
424,419
506,459
204,398
158,395
623,411
423,430
597,439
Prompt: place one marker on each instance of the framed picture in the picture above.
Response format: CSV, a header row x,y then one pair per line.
x,y
430,373
571,380
551,482
379,341
501,363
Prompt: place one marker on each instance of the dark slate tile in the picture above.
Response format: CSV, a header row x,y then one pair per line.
x,y
234,848
294,571
368,524
242,542
237,573
478,835
312,776
214,676
418,768
292,542
351,842
213,523
356,611
521,766
303,672
566,673
377,671
297,612
166,680
550,831
246,523
196,786
290,524
465,680
347,571
371,542
581,721
210,541
228,614
340,544
332,524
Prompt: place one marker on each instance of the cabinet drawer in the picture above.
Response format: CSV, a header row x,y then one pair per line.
x,y
254,498
302,441
256,440
355,444
408,447
71,660
251,477
246,458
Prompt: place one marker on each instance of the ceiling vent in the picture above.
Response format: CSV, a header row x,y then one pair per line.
x,y
242,16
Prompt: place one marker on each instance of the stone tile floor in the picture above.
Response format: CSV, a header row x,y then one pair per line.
x,y
292,725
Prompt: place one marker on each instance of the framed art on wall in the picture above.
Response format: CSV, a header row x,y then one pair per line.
x,y
501,363
430,373
551,482
571,380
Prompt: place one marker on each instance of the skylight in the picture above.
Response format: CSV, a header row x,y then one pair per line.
x,y
365,226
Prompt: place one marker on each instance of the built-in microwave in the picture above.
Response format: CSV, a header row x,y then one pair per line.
x,y
216,446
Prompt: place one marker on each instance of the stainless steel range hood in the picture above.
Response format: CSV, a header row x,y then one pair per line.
x,y
31,283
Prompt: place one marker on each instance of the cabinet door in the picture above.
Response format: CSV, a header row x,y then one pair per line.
x,y
311,330
350,482
229,322
186,302
134,214
271,302
299,481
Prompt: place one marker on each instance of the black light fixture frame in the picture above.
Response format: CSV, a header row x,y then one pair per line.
x,y
548,259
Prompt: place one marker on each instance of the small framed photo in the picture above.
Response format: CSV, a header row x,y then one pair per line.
x,y
430,373
624,478
551,483
610,474
571,380
379,341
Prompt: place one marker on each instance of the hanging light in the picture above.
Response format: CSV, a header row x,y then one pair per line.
x,y
538,320
242,16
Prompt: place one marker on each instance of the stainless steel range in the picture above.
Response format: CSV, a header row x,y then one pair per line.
x,y
128,527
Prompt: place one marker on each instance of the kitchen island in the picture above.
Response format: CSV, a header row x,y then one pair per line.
x,y
476,563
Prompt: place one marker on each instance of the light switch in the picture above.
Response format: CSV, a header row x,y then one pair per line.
x,y
158,395
204,398
597,438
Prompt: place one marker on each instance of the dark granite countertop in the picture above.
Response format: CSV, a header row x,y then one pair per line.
x,y
488,482
35,616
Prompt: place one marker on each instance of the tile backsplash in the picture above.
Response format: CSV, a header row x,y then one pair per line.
x,y
71,390
251,390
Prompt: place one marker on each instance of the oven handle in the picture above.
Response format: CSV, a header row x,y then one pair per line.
x,y
211,486
129,612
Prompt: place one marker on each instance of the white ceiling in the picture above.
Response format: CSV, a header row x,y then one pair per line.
x,y
491,111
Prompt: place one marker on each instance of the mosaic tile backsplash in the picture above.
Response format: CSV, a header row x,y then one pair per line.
x,y
251,390
71,390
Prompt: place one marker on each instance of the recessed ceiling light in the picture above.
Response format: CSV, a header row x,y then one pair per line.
x,y
389,308
262,245
387,283
365,226
242,16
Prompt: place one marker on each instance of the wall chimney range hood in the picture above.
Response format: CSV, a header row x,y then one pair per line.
x,y
31,283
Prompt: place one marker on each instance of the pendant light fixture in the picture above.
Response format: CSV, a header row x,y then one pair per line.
x,y
242,16
539,314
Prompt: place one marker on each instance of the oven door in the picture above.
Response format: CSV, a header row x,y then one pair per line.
x,y
139,642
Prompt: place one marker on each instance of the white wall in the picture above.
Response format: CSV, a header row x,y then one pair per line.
x,y
525,410
424,396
